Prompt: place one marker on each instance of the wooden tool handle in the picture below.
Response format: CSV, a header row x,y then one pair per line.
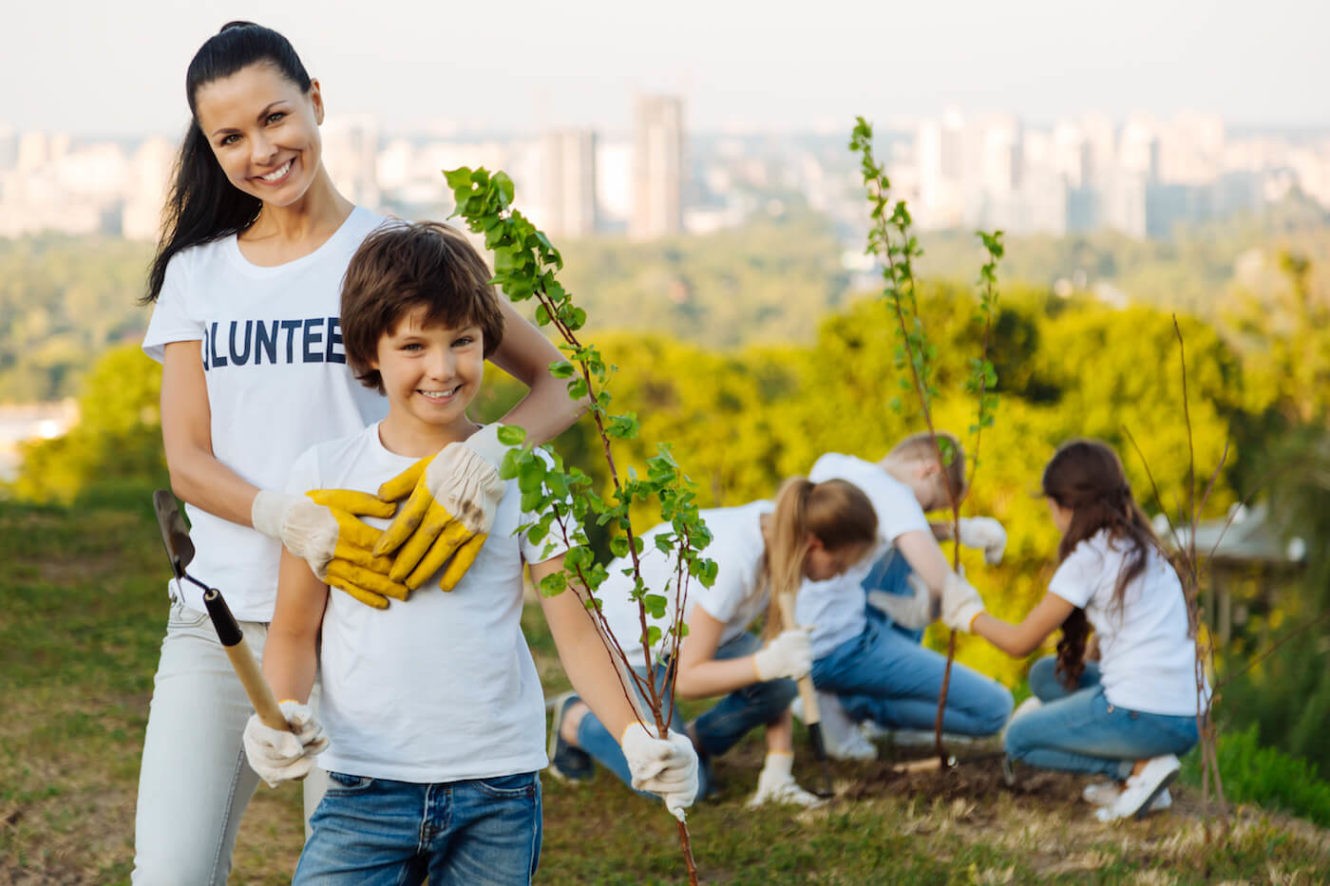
x,y
242,661
812,714
260,695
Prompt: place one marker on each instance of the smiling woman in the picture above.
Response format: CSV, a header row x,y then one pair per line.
x,y
245,286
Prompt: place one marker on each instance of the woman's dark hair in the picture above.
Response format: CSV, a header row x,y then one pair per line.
x,y
1086,477
204,206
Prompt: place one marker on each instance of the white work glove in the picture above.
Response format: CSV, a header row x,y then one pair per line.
x,y
321,527
986,533
789,654
914,612
961,603
665,767
279,755
454,494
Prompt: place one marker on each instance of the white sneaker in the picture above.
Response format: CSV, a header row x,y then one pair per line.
x,y
1106,793
841,735
1142,789
785,792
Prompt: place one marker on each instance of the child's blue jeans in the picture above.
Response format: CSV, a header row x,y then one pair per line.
x,y
374,831
1077,730
884,676
718,730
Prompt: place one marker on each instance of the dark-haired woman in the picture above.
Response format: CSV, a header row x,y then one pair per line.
x,y
245,287
1132,715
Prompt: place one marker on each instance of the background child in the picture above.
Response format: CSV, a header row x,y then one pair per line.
x,y
866,624
814,530
433,707
1132,715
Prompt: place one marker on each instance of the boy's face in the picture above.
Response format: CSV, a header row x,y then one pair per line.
x,y
430,374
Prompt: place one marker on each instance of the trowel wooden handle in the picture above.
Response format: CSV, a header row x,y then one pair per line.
x,y
243,662
806,692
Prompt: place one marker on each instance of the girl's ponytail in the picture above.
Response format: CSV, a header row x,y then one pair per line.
x,y
834,512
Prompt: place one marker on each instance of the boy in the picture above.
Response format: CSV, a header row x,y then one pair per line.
x,y
902,589
434,711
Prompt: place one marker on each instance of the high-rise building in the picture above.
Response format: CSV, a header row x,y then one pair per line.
x,y
657,168
570,182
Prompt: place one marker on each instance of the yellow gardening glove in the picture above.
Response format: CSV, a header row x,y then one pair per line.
x,y
454,494
322,527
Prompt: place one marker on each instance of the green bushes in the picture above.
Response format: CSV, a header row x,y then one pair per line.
x,y
1266,777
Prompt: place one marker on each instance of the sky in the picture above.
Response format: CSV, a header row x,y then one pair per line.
x,y
117,68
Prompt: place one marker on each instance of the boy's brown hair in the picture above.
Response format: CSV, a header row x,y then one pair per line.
x,y
402,266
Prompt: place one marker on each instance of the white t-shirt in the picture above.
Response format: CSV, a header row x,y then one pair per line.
x,y
734,599
1147,660
277,384
835,607
440,687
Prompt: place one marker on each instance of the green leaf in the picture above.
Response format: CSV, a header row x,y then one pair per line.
x,y
511,435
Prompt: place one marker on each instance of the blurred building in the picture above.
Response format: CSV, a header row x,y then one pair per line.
x,y
570,183
657,168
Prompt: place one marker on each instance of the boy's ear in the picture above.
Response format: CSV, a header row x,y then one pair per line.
x,y
928,467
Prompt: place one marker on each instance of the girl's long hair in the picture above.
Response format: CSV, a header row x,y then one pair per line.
x,y
1086,477
203,205
835,512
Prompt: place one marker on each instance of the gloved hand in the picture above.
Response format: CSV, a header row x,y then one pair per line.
x,y
665,767
321,526
986,533
789,654
914,612
279,755
961,603
454,494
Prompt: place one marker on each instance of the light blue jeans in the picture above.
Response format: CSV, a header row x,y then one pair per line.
x,y
890,575
377,832
1079,731
884,676
718,730
194,780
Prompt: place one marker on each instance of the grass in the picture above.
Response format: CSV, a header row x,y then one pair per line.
x,y
82,608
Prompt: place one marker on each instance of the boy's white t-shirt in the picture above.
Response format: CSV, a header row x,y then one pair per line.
x,y
277,383
440,687
734,599
835,607
1147,660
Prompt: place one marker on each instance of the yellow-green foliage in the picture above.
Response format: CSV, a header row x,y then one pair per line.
x,y
117,439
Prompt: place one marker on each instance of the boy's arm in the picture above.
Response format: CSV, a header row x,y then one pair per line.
x,y
290,658
664,766
925,557
290,654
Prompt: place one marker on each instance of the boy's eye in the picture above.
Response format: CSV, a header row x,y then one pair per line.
x,y
464,341
412,346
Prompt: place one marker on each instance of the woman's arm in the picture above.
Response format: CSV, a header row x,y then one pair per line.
x,y
547,410
700,674
1022,639
290,654
586,660
196,474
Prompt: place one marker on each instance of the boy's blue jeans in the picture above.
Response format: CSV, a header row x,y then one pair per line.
x,y
884,676
1077,730
374,831
718,730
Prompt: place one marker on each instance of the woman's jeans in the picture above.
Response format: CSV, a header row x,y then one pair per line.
x,y
884,676
718,730
379,832
1077,730
194,780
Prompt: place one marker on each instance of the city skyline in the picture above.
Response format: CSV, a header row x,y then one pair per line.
x,y
97,70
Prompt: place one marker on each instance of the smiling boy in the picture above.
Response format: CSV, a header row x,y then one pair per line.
x,y
433,708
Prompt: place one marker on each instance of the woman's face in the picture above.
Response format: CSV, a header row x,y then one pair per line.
x,y
264,132
823,563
